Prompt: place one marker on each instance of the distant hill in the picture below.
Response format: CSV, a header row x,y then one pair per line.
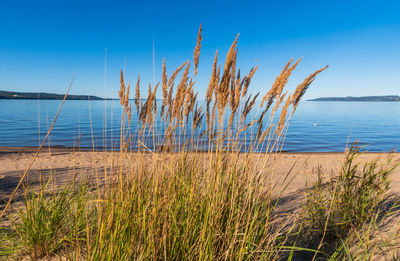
x,y
387,98
43,96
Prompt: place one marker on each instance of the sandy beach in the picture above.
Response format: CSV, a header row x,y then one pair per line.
x,y
15,160
64,163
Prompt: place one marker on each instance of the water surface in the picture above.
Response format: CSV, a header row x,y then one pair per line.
x,y
315,127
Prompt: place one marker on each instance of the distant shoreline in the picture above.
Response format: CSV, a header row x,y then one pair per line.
x,y
384,98
7,95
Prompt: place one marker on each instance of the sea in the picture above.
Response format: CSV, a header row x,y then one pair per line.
x,y
314,127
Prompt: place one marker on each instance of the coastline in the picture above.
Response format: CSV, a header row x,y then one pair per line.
x,y
33,149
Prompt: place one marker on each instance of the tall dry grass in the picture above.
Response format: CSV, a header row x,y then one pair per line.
x,y
176,202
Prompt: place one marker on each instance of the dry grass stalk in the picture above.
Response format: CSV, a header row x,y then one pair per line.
x,y
137,95
282,118
196,54
276,106
124,98
145,115
280,83
188,100
193,101
238,89
197,118
216,95
126,102
210,89
301,88
180,95
248,106
260,124
247,80
164,88
245,127
261,119
127,105
153,98
171,82
233,83
121,92
265,133
223,89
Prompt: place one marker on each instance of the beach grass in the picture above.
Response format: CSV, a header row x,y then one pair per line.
x,y
342,211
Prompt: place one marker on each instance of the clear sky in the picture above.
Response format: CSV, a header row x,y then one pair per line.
x,y
42,43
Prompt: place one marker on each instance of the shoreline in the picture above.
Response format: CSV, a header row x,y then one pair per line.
x,y
33,149
63,162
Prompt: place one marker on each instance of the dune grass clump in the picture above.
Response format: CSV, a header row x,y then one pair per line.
x,y
186,212
50,221
335,211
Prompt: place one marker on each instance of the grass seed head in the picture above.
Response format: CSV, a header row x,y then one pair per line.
x,y
301,88
137,95
196,54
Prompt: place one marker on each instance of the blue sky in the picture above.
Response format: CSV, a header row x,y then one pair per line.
x,y
42,43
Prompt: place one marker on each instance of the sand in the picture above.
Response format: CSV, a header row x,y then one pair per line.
x,y
64,162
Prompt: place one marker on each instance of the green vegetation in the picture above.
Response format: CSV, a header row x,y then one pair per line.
x,y
334,212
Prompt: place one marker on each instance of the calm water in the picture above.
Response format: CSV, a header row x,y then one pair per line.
x,y
316,126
